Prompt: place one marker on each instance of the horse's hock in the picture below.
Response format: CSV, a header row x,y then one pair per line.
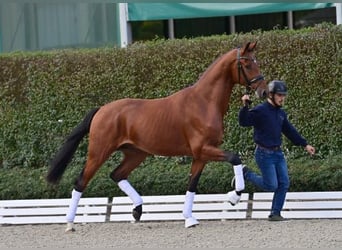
x,y
298,205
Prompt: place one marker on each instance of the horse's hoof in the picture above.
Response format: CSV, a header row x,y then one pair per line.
x,y
233,198
70,230
70,227
137,212
191,222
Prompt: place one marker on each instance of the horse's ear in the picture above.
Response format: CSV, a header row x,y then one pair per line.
x,y
253,45
245,48
249,47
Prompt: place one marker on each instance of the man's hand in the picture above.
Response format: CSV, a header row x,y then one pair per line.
x,y
311,150
245,100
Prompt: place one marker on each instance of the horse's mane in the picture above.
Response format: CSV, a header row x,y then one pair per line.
x,y
218,59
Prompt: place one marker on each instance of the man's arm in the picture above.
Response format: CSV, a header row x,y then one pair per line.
x,y
244,114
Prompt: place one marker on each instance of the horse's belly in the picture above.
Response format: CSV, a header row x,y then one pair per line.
x,y
162,144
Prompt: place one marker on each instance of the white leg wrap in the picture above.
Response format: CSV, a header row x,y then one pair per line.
x,y
126,187
239,180
75,198
189,200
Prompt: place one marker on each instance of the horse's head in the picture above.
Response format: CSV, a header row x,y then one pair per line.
x,y
248,72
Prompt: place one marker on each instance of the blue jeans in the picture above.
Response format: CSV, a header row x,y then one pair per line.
x,y
274,176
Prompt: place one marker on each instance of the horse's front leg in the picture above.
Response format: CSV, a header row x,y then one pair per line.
x,y
239,182
196,170
212,153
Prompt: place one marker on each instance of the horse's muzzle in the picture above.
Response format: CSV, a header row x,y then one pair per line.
x,y
261,93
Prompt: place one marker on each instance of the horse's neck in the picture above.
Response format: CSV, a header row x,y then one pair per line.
x,y
216,86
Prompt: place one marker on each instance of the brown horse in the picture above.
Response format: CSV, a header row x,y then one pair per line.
x,y
186,123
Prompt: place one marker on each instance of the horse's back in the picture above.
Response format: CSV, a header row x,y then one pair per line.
x,y
165,110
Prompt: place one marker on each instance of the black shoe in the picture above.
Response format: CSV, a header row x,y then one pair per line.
x,y
275,217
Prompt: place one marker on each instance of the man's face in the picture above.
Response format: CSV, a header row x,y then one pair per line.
x,y
279,99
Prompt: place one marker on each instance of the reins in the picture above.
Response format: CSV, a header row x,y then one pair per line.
x,y
240,69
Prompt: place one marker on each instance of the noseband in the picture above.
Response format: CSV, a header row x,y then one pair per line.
x,y
241,70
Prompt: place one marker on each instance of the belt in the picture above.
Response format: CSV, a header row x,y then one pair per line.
x,y
269,148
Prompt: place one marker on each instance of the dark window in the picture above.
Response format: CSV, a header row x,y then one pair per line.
x,y
261,21
190,28
201,27
311,17
148,30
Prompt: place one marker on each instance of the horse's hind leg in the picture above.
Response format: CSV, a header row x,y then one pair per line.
x,y
211,153
196,171
95,159
132,158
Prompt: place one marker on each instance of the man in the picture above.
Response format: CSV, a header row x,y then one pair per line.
x,y
269,122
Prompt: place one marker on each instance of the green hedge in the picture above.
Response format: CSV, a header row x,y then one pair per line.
x,y
45,94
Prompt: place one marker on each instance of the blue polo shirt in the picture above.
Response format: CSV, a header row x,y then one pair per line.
x,y
269,124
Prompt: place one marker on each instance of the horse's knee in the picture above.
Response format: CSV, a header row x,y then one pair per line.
x,y
233,158
115,176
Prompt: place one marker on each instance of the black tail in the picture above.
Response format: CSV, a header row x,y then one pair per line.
x,y
59,163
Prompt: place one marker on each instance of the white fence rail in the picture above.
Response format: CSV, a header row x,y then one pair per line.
x,y
301,205
51,211
298,205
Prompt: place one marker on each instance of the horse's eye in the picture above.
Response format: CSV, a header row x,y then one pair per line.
x,y
248,66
